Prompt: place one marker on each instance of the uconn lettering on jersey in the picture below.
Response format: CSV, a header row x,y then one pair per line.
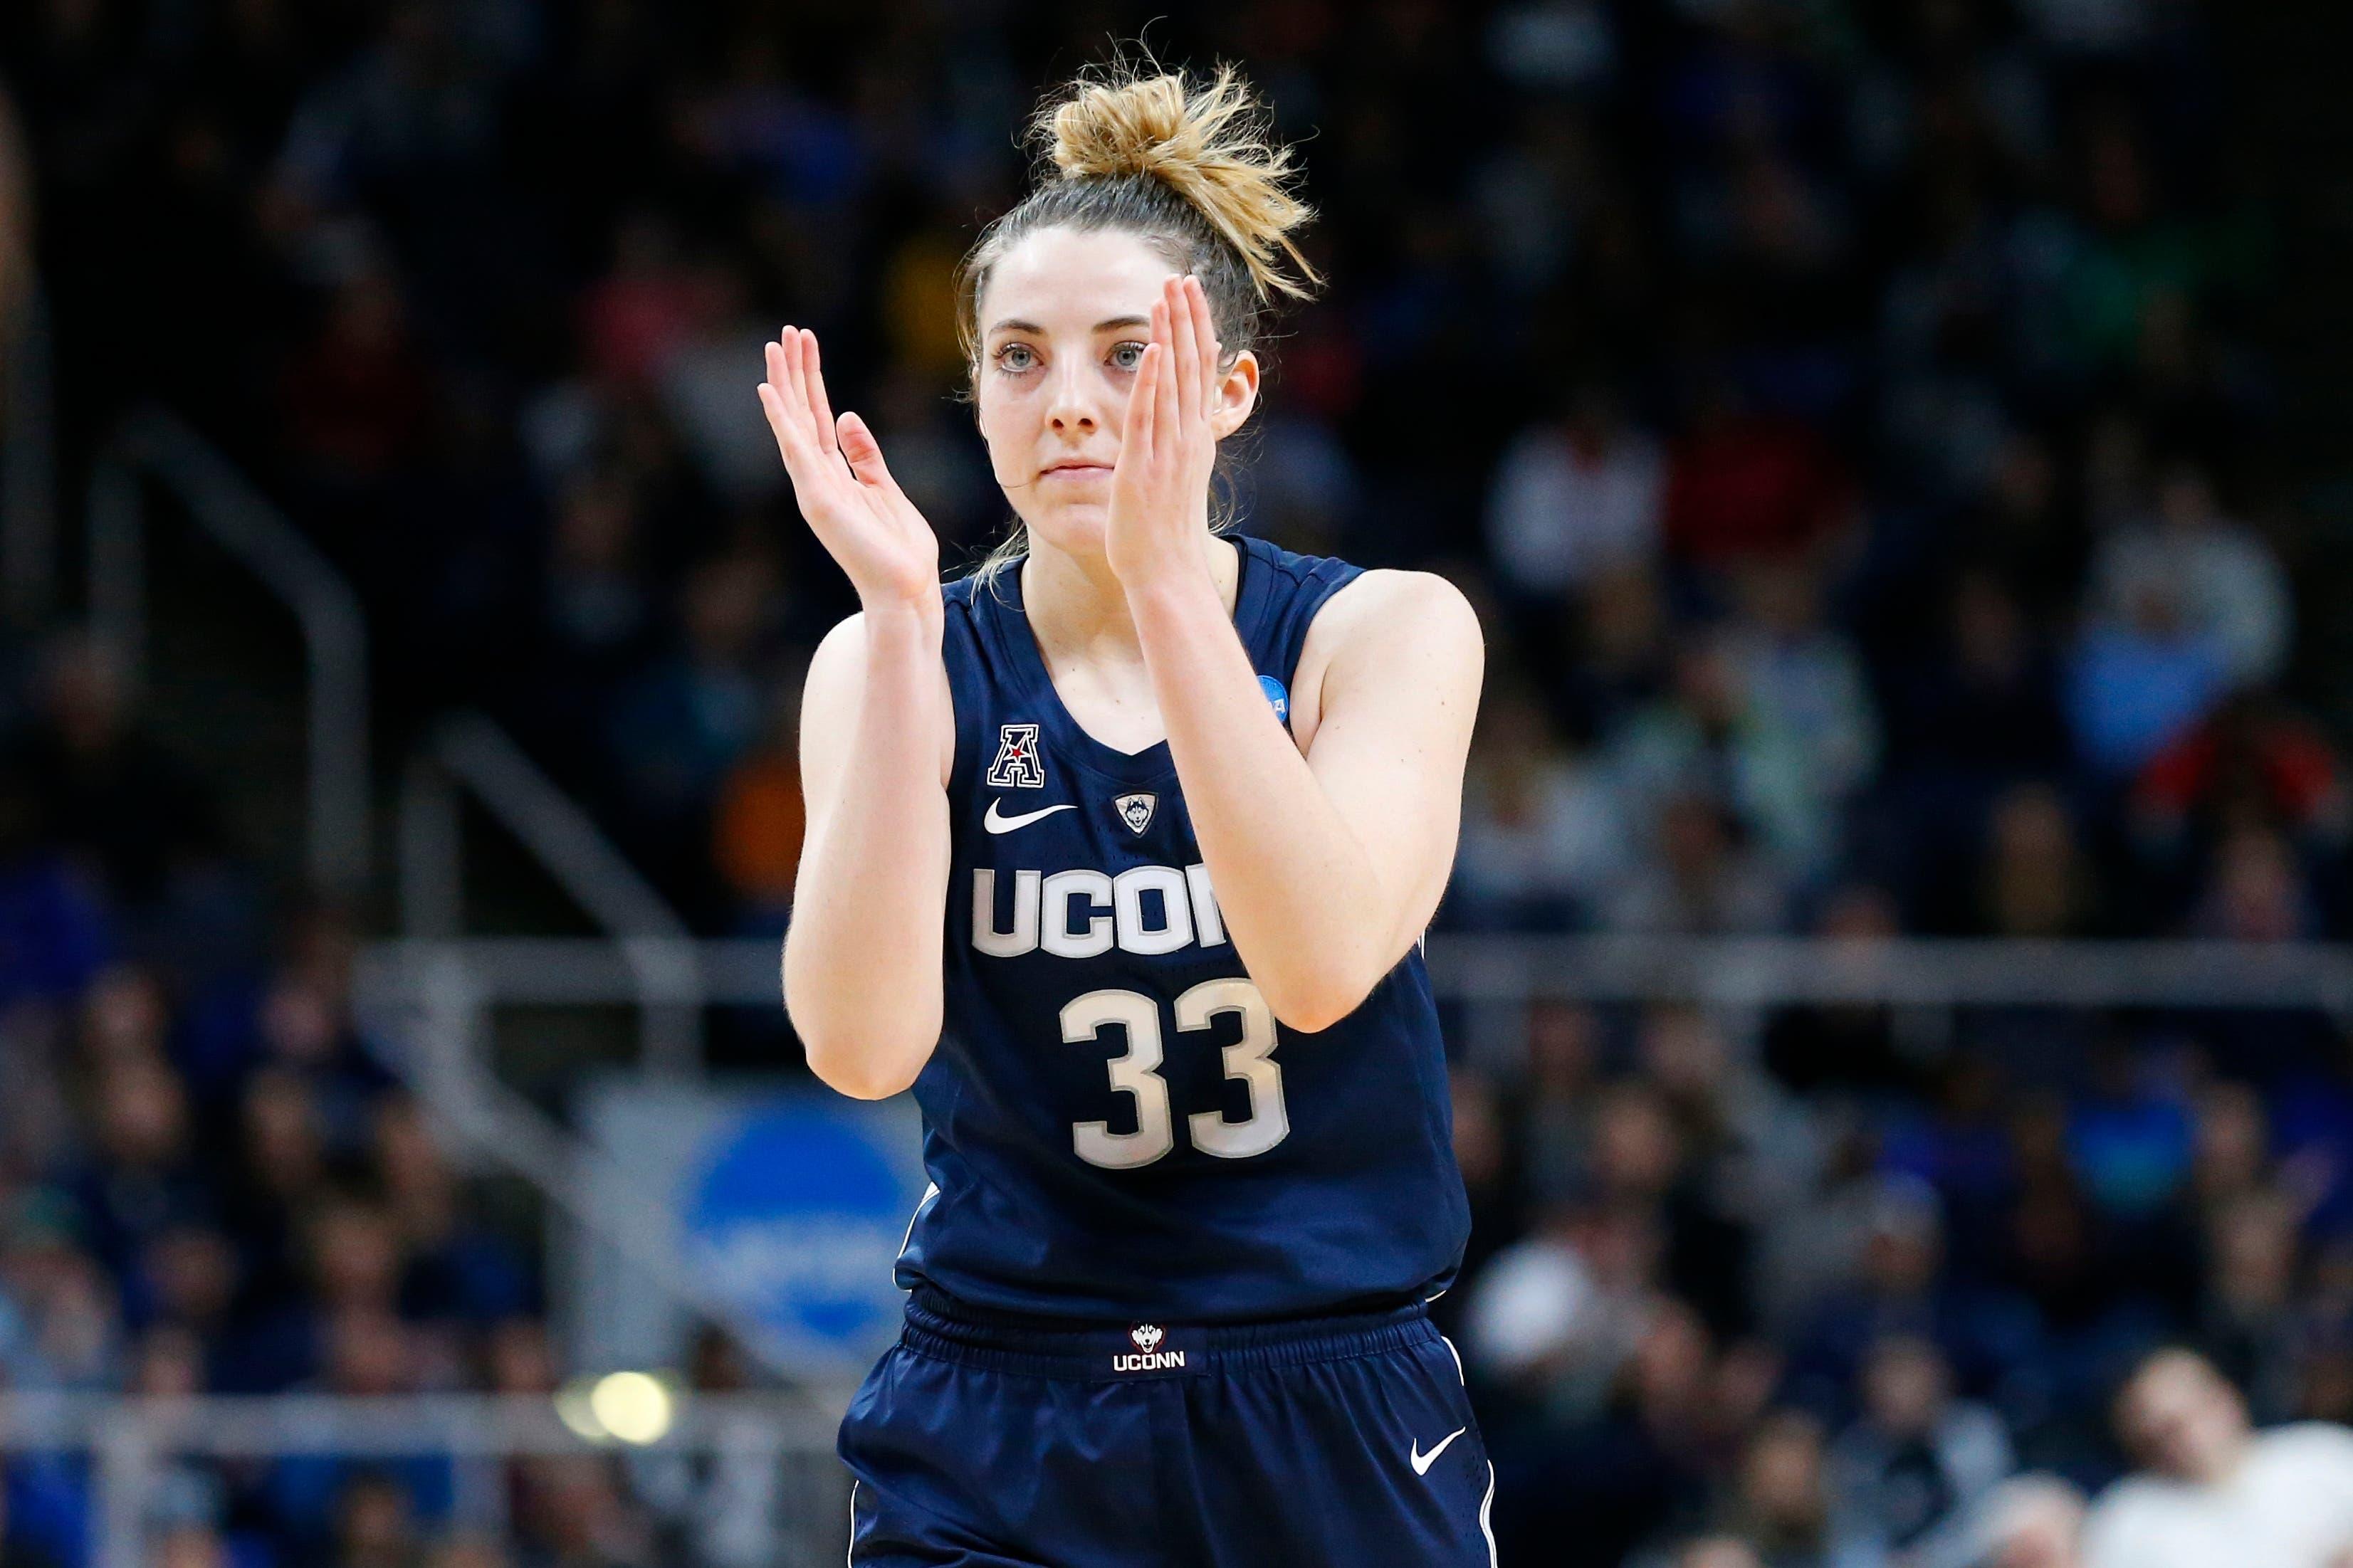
x,y
1085,914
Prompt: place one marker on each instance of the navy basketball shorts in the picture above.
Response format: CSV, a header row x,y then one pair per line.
x,y
1323,1443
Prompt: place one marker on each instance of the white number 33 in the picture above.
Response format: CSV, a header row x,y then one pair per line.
x,y
1251,1059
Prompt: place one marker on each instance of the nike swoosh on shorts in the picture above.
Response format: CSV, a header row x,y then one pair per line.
x,y
1421,1461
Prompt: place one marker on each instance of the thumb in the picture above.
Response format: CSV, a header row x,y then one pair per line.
x,y
863,452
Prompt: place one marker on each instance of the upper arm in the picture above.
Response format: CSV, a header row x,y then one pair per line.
x,y
832,698
1402,661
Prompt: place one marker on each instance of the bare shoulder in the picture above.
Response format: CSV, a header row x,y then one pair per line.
x,y
1395,600
1390,626
1384,613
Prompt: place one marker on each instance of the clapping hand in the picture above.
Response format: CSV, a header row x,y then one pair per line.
x,y
1168,447
852,503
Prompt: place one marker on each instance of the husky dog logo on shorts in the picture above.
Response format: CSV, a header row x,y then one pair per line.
x,y
1017,765
1136,810
1146,1337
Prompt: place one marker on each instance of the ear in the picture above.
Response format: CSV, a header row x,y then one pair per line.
x,y
1237,394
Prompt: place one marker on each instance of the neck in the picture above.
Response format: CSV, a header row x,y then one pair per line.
x,y
1075,602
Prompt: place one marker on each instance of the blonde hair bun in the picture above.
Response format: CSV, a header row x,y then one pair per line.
x,y
1212,145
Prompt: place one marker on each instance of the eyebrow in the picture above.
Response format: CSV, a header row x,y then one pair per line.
x,y
1012,324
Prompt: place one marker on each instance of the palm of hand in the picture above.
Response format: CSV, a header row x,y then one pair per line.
x,y
1168,447
846,494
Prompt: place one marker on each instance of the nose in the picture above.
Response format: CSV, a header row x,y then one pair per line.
x,y
1070,409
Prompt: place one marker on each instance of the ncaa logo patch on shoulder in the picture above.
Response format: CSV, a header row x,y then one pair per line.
x,y
1276,694
1136,810
1018,764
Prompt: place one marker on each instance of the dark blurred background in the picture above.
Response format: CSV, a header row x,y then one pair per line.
x,y
1897,448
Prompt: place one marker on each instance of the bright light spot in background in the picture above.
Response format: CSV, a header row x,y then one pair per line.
x,y
572,1410
631,1407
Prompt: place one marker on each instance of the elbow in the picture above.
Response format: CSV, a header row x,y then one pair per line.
x,y
860,1081
1313,1002
1312,998
866,1055
863,1067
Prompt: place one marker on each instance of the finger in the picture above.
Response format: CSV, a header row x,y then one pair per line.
x,y
1169,407
1142,401
805,467
779,372
786,376
1205,329
1187,356
813,388
777,405
863,453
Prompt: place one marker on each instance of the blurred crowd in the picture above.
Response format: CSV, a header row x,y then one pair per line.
x,y
1850,415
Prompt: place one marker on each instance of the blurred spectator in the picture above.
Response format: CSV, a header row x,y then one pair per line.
x,y
2029,1522
701,384
2227,587
1984,711
1709,736
2254,763
2215,1491
1745,486
757,828
1717,1552
1702,880
358,398
1804,678
108,790
2141,676
1544,837
675,731
1573,497
2036,881
1911,1473
190,1546
53,932
1782,1503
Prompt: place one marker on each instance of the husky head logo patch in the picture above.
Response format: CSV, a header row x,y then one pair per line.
x,y
1136,810
1146,1335
1017,765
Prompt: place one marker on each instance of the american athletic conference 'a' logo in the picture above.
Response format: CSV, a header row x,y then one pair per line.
x,y
1017,765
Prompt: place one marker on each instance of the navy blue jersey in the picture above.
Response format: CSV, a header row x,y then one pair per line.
x,y
1115,1124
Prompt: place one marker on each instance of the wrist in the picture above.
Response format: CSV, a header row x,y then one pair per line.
x,y
918,623
1179,581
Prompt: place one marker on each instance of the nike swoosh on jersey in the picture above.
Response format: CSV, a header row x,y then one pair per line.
x,y
997,822
1421,1461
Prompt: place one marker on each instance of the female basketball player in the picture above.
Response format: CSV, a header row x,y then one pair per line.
x,y
1150,819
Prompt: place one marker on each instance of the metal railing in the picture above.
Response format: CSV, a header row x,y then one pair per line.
x,y
788,1440
236,516
1738,972
652,941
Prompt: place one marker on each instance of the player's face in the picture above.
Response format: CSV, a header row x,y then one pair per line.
x,y
1063,324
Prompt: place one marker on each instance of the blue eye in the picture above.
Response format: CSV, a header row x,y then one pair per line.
x,y
1127,355
1016,357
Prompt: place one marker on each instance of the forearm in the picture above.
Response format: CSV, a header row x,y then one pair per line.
x,y
1299,895
864,957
